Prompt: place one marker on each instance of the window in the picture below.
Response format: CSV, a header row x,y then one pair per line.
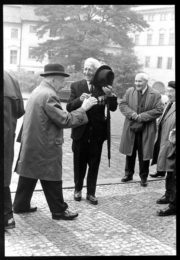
x,y
13,57
136,41
161,39
150,17
149,39
169,63
163,17
171,38
31,55
14,33
51,54
147,61
172,16
32,28
159,63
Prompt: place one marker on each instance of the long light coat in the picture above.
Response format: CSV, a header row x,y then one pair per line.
x,y
42,134
152,110
163,149
13,109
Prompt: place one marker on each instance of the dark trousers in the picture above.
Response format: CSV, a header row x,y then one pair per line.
x,y
170,186
8,213
130,160
86,152
52,191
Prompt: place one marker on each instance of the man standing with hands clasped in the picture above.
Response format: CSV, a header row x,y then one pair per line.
x,y
141,105
41,144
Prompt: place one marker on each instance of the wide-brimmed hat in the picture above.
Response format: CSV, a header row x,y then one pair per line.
x,y
171,84
54,69
103,76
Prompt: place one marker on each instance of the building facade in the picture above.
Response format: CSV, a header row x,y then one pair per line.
x,y
155,46
19,38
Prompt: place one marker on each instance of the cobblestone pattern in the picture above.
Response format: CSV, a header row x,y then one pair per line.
x,y
123,223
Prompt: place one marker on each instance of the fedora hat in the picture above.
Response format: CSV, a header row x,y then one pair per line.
x,y
171,84
54,69
103,76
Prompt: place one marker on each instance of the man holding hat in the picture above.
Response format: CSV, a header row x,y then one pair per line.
x,y
164,151
40,155
88,139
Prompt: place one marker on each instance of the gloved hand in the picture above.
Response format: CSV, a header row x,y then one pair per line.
x,y
88,103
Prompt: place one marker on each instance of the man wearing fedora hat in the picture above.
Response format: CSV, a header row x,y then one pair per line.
x,y
88,139
40,155
164,151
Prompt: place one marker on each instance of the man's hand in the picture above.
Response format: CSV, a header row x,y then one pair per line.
x,y
172,136
134,116
84,96
88,103
107,90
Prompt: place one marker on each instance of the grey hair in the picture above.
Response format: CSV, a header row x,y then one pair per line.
x,y
143,75
93,61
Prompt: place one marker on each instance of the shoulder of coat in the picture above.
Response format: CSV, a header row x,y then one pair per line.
x,y
153,91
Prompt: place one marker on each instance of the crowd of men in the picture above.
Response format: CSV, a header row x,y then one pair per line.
x,y
149,130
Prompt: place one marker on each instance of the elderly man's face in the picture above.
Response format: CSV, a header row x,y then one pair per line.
x,y
89,71
58,82
140,82
170,92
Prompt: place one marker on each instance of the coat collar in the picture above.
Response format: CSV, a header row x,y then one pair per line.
x,y
171,110
48,85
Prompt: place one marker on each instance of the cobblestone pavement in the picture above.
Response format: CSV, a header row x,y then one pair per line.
x,y
123,223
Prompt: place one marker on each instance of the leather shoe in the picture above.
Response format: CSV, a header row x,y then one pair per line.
x,y
163,200
10,224
92,199
66,215
126,178
77,195
158,174
144,183
166,212
30,210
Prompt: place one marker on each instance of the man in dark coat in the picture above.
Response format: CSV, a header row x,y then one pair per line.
x,y
141,105
164,149
88,139
41,144
13,109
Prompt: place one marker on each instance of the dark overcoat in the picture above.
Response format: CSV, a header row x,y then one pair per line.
x,y
96,115
163,149
13,109
153,109
42,134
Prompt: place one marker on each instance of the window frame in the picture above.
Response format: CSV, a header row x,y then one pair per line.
x,y
14,33
13,56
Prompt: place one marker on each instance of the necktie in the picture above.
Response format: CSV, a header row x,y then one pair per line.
x,y
91,88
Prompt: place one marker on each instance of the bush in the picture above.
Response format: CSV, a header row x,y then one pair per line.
x,y
27,81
